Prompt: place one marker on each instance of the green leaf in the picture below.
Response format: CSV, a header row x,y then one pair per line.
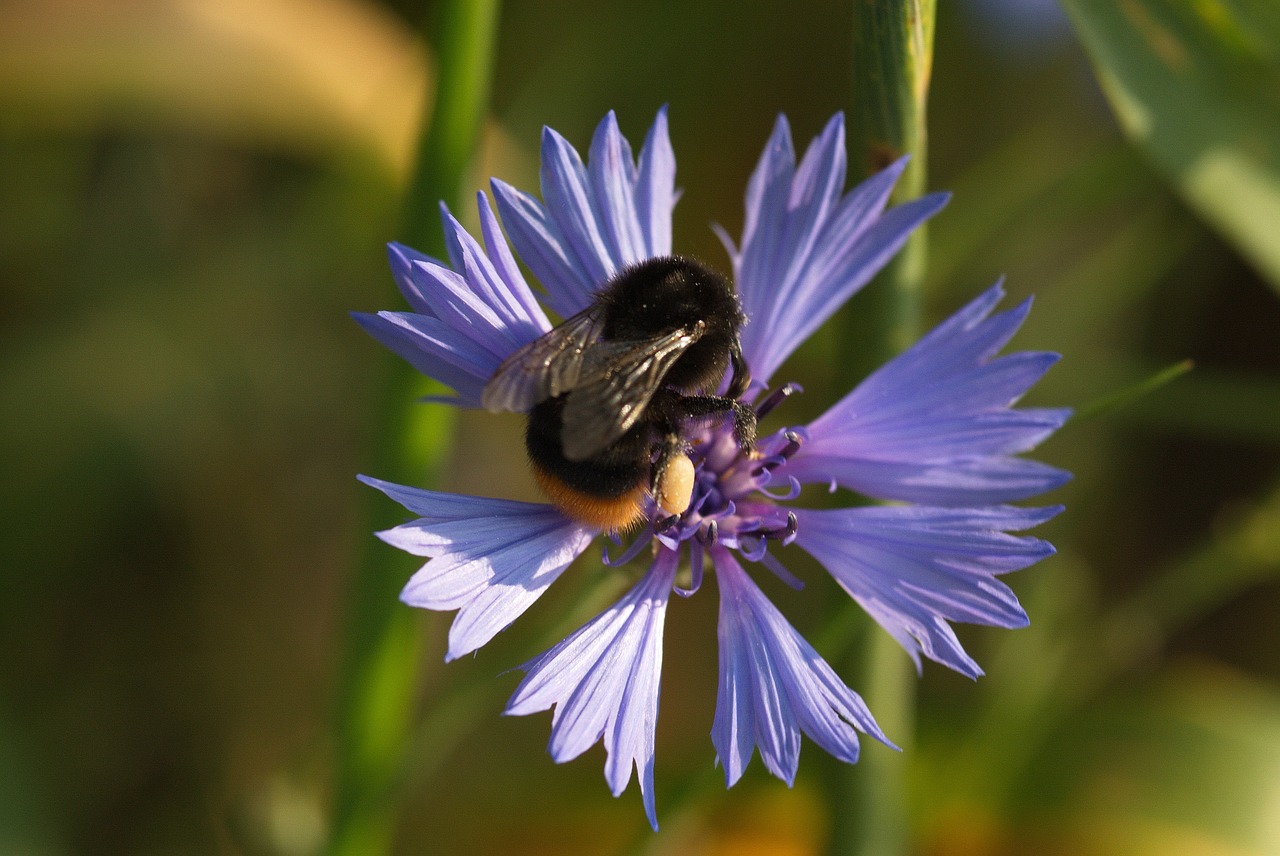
x,y
1223,405
1196,83
1138,390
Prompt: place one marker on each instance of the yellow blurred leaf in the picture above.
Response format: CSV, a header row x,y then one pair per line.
x,y
310,75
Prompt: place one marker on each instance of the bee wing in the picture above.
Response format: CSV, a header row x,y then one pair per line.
x,y
599,412
548,366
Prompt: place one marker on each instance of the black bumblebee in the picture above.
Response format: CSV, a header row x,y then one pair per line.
x,y
609,389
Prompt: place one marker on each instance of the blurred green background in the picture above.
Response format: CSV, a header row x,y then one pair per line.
x,y
193,195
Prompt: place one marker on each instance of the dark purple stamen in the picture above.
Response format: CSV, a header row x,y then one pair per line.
x,y
793,444
792,492
793,526
775,533
666,523
781,456
631,552
696,570
753,547
710,533
777,397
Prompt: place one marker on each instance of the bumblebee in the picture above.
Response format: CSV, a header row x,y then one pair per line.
x,y
609,390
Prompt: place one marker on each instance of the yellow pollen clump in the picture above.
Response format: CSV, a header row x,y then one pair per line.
x,y
675,489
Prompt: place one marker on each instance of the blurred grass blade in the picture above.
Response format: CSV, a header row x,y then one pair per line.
x,y
1224,405
381,672
1220,731
1138,390
1197,85
1080,658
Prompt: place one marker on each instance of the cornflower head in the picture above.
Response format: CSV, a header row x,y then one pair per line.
x,y
935,430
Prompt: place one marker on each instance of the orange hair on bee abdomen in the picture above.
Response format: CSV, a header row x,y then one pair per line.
x,y
612,514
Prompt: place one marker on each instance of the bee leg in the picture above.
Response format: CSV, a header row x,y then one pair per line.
x,y
744,426
744,418
741,378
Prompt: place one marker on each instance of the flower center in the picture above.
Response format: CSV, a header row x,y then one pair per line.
x,y
732,504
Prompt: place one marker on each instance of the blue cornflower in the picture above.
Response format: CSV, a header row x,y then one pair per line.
x,y
934,429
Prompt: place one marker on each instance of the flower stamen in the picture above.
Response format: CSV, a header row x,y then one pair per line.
x,y
709,533
632,550
774,533
776,397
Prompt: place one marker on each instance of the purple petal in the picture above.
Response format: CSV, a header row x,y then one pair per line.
x,y
811,192
516,294
494,302
453,301
914,569
774,686
603,682
567,194
541,246
408,279
613,178
936,425
766,203
804,250
436,349
655,188
860,207
816,187
596,218
827,279
954,482
464,323
490,558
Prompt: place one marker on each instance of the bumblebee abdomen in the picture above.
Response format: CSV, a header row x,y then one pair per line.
x,y
612,514
607,489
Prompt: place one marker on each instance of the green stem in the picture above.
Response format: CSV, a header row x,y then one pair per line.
x,y
892,61
466,31
381,668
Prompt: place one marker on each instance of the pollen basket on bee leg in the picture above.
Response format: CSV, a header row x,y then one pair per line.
x,y
674,489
